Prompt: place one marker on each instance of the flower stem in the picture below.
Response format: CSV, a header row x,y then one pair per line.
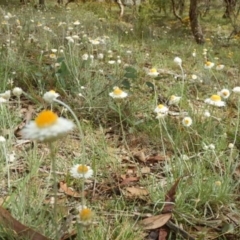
x,y
7,165
122,129
82,140
237,126
19,102
183,80
53,160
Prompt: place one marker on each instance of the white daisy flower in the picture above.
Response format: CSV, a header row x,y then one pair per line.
x,y
205,51
178,61
187,121
208,65
85,57
111,62
211,146
85,215
100,56
118,93
231,145
236,90
215,100
194,54
56,65
2,139
220,67
70,39
94,41
161,109
2,100
218,183
11,157
6,95
47,127
207,113
17,91
75,37
153,72
50,96
76,23
194,76
174,100
81,171
53,56
224,93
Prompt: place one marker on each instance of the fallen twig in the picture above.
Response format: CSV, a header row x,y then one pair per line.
x,y
176,229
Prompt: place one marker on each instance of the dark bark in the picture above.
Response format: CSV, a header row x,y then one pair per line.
x,y
41,2
24,1
70,1
230,6
174,11
195,25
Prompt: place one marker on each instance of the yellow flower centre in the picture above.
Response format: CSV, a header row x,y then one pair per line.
x,y
215,98
85,214
172,97
153,70
52,55
225,93
46,118
187,121
160,106
208,63
82,169
117,91
218,183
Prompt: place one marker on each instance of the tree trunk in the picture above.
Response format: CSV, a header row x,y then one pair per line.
x,y
230,6
195,25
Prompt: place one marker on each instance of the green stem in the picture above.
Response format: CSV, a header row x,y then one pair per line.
x,y
82,140
53,160
183,80
7,165
237,126
161,136
19,103
122,129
